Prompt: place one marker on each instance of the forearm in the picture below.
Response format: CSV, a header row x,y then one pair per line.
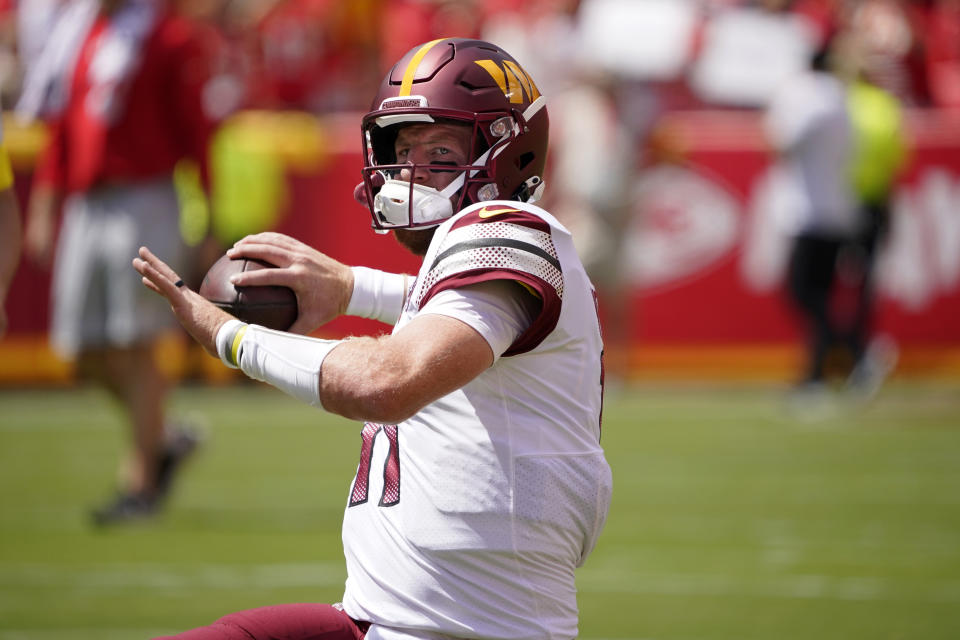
x,y
384,379
41,220
359,379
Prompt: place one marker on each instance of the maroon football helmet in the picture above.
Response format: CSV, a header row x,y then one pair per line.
x,y
455,80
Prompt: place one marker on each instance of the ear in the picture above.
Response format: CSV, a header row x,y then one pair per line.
x,y
360,194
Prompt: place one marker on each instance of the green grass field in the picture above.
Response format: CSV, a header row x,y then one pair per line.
x,y
730,521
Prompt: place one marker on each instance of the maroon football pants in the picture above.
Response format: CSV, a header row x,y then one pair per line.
x,y
306,621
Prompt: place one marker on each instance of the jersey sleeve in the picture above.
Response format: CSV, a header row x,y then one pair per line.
x,y
497,309
498,242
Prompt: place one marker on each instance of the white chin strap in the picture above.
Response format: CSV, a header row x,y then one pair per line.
x,y
392,203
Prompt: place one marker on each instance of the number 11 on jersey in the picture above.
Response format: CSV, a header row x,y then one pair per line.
x,y
391,470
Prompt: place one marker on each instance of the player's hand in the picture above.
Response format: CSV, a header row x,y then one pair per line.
x,y
40,226
198,315
323,285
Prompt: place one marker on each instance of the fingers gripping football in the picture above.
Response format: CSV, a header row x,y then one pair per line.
x,y
323,286
199,317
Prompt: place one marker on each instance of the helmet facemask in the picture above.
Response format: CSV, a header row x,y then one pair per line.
x,y
396,203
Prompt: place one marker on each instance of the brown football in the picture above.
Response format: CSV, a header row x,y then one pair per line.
x,y
271,306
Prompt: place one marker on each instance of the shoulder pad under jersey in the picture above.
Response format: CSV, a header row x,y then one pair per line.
x,y
500,242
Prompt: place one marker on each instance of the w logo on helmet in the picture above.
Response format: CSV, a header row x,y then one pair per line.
x,y
512,80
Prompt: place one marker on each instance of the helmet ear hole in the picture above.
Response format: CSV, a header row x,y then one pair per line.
x,y
524,159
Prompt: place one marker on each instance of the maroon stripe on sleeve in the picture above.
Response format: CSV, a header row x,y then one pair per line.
x,y
541,326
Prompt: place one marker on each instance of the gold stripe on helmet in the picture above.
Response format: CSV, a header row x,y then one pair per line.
x,y
496,73
525,80
411,70
512,80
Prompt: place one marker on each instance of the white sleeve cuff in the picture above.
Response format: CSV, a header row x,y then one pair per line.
x,y
377,294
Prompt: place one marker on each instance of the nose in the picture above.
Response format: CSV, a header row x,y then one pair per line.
x,y
417,174
410,174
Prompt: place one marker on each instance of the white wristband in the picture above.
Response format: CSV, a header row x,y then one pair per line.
x,y
287,361
377,294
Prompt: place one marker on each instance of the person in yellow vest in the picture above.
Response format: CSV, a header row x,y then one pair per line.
x,y
879,154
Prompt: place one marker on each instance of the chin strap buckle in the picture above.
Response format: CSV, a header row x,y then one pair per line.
x,y
531,190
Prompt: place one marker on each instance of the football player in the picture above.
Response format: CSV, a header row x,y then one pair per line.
x,y
481,484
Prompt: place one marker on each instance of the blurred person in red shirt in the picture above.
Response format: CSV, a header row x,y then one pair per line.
x,y
312,55
135,105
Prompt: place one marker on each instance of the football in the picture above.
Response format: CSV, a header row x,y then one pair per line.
x,y
270,306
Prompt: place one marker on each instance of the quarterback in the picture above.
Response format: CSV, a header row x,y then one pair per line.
x,y
481,484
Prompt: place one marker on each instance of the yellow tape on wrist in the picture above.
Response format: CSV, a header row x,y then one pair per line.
x,y
235,347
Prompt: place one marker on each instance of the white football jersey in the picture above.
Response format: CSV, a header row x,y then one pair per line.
x,y
468,519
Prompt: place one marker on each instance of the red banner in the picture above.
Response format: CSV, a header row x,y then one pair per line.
x,y
703,259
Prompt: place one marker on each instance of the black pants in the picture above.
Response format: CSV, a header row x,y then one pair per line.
x,y
811,280
876,218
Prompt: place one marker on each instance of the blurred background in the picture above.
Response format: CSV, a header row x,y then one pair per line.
x,y
680,217
666,167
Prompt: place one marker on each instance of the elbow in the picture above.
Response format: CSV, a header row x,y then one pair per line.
x,y
386,407
385,397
